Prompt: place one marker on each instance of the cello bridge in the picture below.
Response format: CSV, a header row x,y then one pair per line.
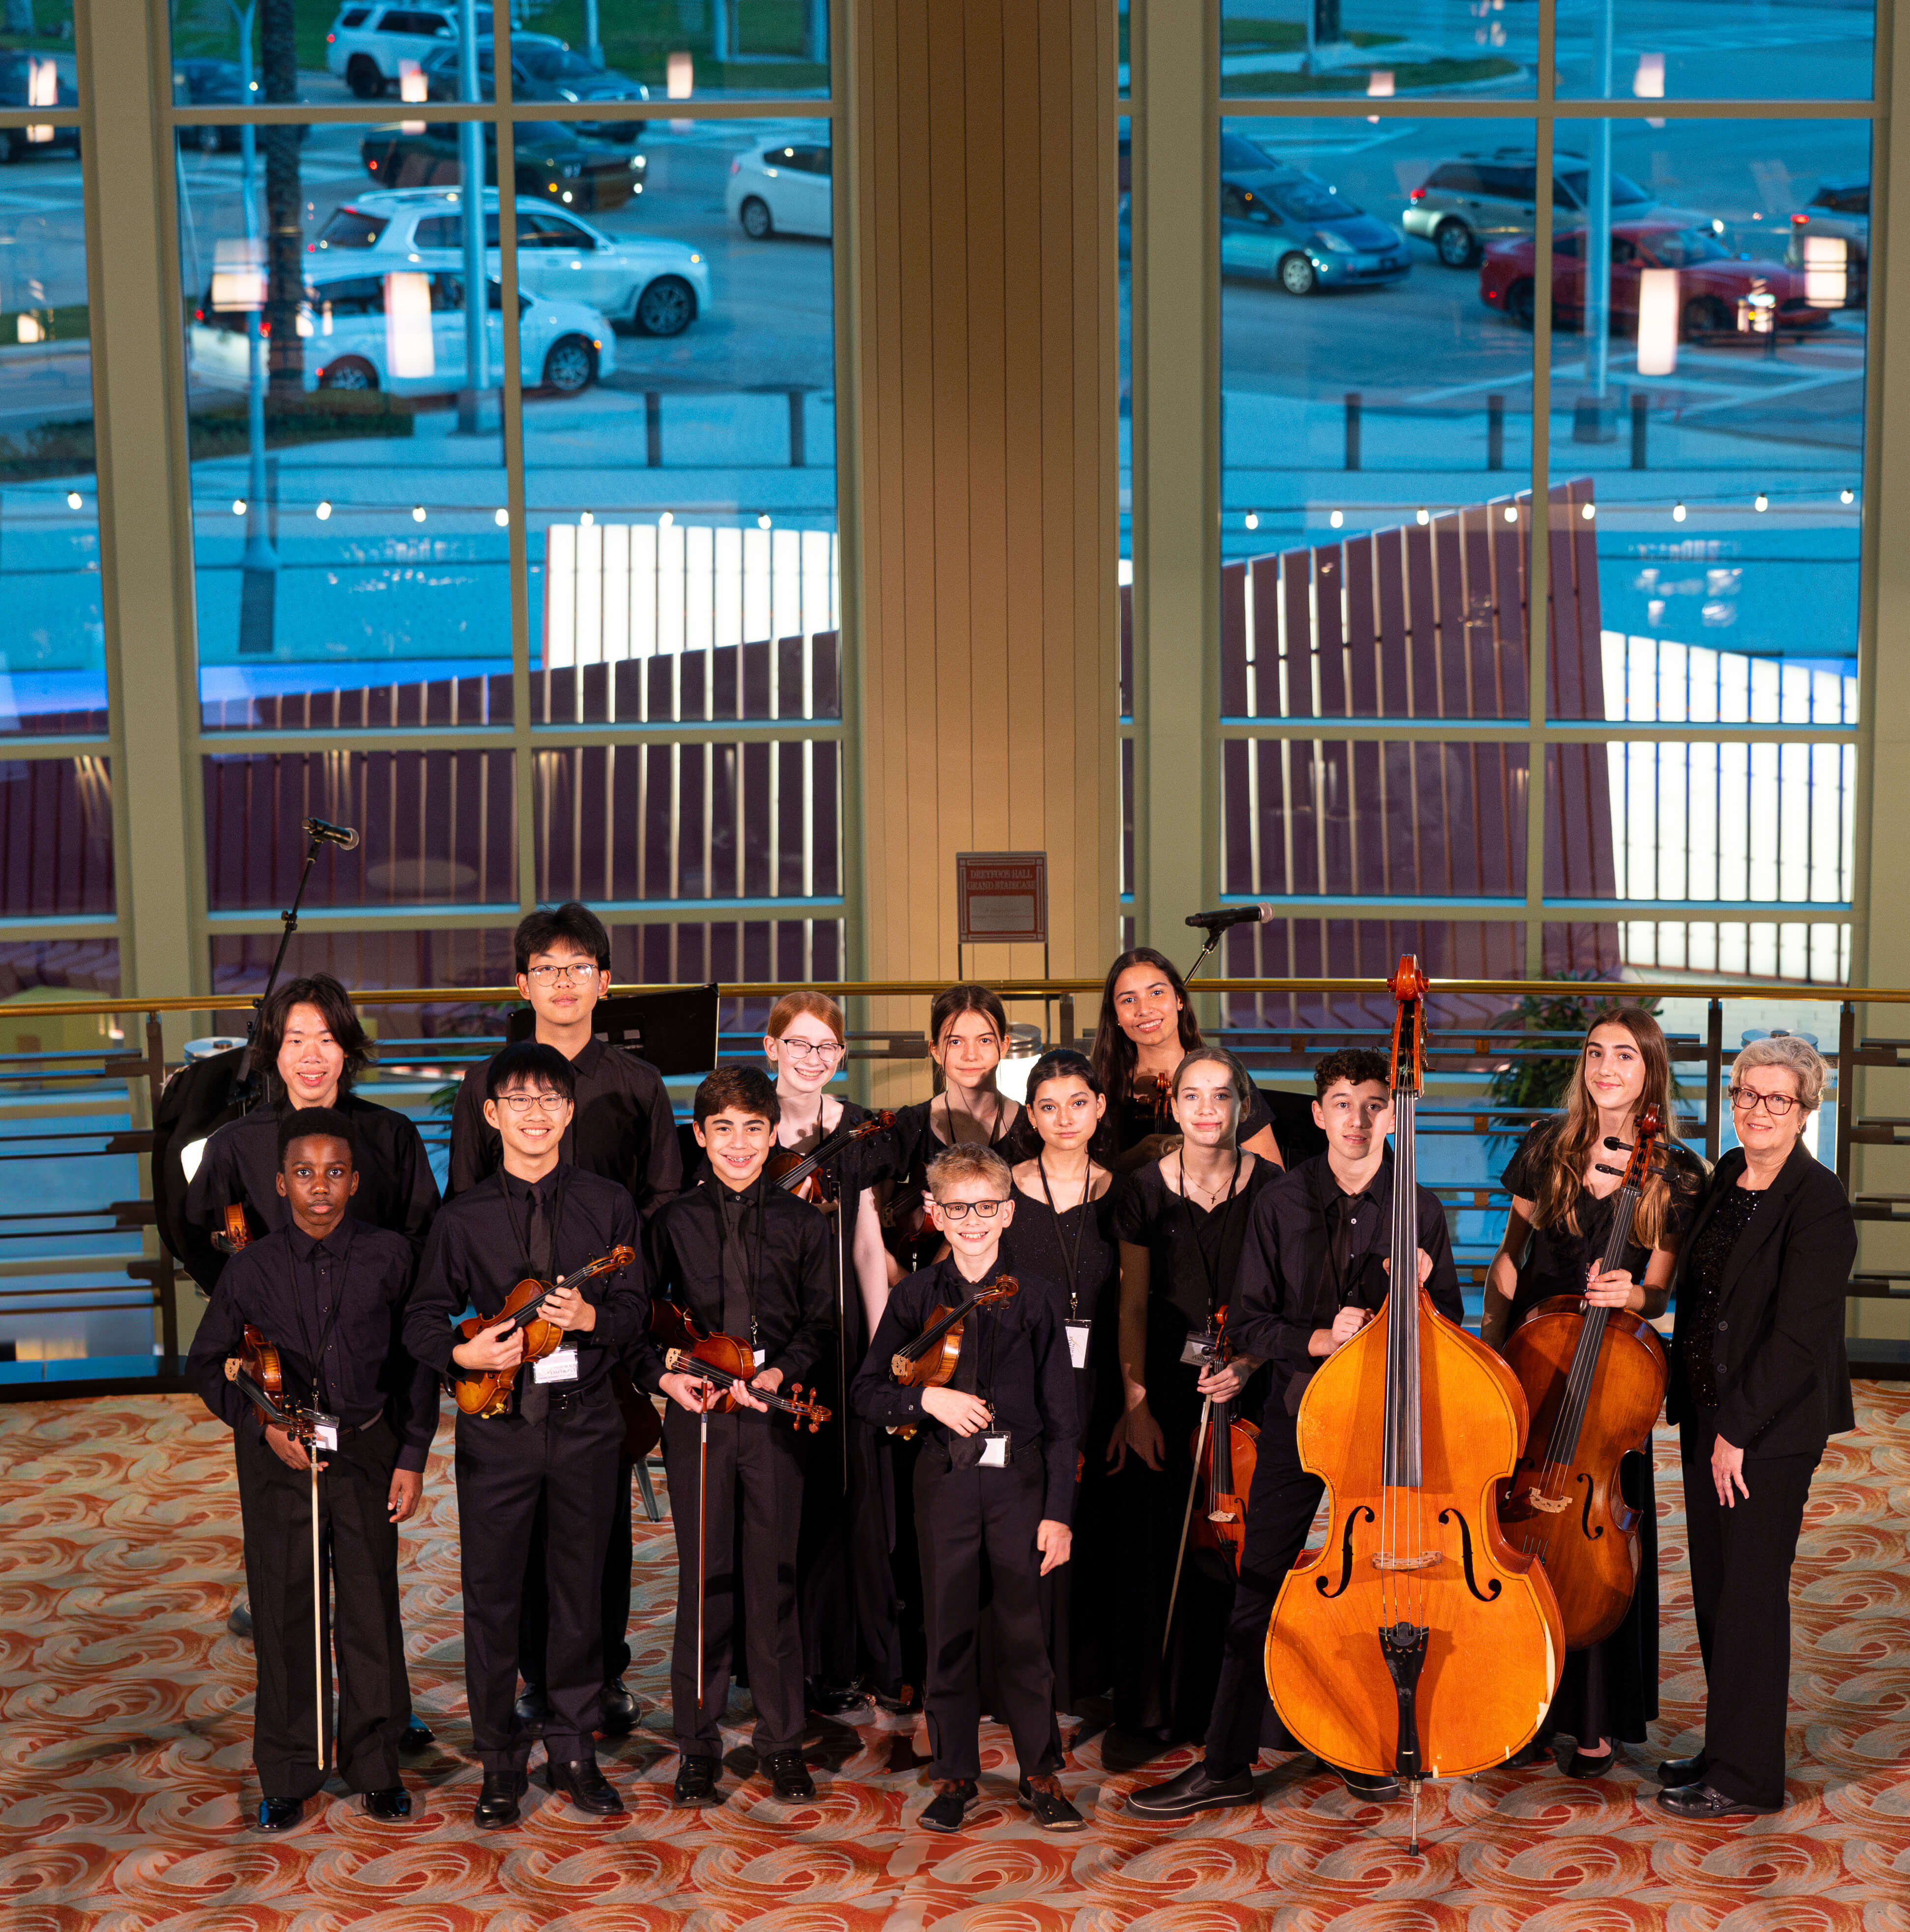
x,y
1551,1505
1425,1560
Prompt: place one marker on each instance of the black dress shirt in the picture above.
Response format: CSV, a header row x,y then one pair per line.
x,y
1036,1250
241,1164
1014,1356
337,1305
480,1249
754,1264
623,1128
1292,1280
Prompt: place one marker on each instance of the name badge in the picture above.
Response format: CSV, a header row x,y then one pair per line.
x,y
559,1366
994,1450
1197,1351
762,1357
1078,1334
325,1432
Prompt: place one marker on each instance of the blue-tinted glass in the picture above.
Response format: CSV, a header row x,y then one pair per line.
x,y
1712,49
1383,51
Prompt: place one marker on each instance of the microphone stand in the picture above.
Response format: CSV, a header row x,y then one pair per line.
x,y
248,1089
1200,957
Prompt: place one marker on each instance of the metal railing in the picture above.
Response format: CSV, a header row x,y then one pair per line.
x,y
93,1250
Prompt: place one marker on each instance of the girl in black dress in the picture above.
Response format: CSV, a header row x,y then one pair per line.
x,y
1146,1029
1065,1205
1554,1245
1181,1220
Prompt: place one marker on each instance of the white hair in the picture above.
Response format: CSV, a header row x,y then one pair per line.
x,y
1785,1049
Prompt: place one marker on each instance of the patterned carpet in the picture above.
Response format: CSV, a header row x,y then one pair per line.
x,y
124,1767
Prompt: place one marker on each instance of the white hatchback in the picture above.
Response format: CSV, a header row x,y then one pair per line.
x,y
781,188
657,287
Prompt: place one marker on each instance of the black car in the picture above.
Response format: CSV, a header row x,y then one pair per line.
x,y
213,83
543,68
25,80
551,161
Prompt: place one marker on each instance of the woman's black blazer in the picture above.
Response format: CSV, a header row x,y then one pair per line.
x,y
1783,1380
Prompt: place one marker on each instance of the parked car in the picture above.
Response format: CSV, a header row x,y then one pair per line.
x,y
542,68
355,325
657,287
214,83
1284,222
1475,198
1713,284
33,80
552,163
369,45
1840,210
778,189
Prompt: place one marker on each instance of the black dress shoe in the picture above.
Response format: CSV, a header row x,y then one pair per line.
x,y
533,1709
1704,1806
415,1738
827,1701
279,1814
1675,1772
696,1781
584,1786
389,1804
945,1811
1192,1791
1047,1803
789,1777
497,1802
619,1717
1539,1751
1368,1790
904,1701
1580,1766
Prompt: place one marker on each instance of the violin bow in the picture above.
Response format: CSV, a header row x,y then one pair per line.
x,y
318,1609
703,1536
1186,1522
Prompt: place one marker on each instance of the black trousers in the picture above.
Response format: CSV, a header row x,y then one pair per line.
x,y
962,1515
753,1490
613,1595
1280,1511
844,1581
1740,1588
508,1470
359,1543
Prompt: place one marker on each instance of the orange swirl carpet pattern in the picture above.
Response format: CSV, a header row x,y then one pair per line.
x,y
125,1774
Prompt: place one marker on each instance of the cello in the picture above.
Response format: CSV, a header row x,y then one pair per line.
x,y
1416,1643
1595,1379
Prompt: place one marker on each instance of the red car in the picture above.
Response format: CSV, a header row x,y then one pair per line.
x,y
1716,291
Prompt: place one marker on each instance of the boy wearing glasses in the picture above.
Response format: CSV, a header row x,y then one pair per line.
x,y
743,1258
623,1129
552,1457
996,1474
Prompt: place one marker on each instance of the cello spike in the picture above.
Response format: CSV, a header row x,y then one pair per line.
x,y
1414,1848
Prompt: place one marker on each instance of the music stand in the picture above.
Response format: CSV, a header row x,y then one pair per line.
x,y
674,1027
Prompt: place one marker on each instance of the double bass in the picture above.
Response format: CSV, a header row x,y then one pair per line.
x,y
1595,1379
1416,1643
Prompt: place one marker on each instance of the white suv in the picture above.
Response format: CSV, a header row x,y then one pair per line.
x,y
369,45
657,287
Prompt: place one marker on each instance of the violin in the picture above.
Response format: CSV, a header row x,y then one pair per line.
x,y
258,1375
1416,1643
234,1231
1595,1378
725,1362
487,1391
1226,1458
929,1361
803,1174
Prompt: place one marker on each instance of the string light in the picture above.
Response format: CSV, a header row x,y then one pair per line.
x,y
1846,496
1512,513
238,506
1337,518
502,520
74,500
1589,510
664,521
1423,516
585,519
1252,520
323,512
417,513
763,521
1760,502
1677,513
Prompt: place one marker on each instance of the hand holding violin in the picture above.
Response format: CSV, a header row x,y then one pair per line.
x,y
492,1349
286,1448
565,1308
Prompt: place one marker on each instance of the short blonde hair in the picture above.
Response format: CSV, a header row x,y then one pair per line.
x,y
969,1163
1787,1050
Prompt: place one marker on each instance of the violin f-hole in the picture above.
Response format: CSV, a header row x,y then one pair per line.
x,y
1346,1556
1592,1531
1465,1553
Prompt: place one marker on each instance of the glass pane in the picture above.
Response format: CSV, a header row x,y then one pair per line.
x,y
1815,954
692,951
31,969
1125,325
1425,47
328,51
1322,947
439,828
694,50
1707,439
52,653
1362,391
56,836
1714,50
680,446
350,535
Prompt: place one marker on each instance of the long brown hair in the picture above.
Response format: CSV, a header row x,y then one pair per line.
x,y
1565,1153
1113,1053
966,997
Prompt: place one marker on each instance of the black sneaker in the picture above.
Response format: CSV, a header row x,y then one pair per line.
x,y
945,1811
789,1777
696,1781
1045,1800
1192,1791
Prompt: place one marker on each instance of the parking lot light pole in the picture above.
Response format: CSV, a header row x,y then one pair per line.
x,y
1594,419
259,555
477,280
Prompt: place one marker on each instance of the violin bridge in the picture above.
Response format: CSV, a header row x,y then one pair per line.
x,y
1423,1561
899,1366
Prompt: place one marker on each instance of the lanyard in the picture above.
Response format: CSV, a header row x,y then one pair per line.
x,y
1218,1218
1071,1261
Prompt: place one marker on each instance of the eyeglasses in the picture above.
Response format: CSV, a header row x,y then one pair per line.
x,y
802,1050
960,1210
545,976
1748,1100
534,1103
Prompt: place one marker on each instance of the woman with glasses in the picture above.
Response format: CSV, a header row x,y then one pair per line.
x,y
847,1596
1759,1384
1564,1191
1181,1220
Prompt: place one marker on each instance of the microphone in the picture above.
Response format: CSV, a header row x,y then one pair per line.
x,y
332,834
1239,915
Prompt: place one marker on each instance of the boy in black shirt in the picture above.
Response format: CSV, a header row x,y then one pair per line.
x,y
555,1450
996,1474
745,1259
329,1291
